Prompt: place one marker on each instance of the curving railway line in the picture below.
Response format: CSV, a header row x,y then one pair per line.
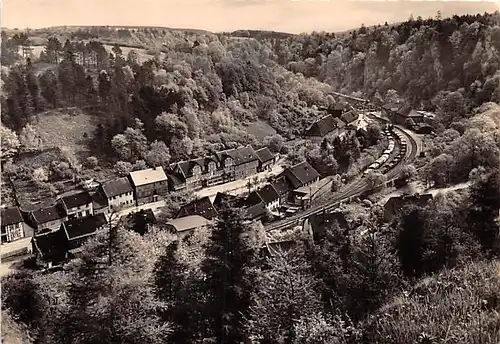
x,y
354,189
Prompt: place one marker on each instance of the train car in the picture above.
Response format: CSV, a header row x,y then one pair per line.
x,y
374,166
387,151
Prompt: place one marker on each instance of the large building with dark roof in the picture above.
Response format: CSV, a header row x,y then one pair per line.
x,y
323,127
301,174
118,192
51,248
78,204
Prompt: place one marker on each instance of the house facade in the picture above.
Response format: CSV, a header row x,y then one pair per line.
x,y
266,159
246,162
119,193
13,225
149,184
267,195
78,205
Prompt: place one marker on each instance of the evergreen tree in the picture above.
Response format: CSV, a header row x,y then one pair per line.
x,y
230,278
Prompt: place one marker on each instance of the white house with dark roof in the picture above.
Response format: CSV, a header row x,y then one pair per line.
x,y
78,204
301,174
119,193
13,225
149,184
268,195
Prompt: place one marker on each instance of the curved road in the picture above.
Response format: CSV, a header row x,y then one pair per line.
x,y
354,189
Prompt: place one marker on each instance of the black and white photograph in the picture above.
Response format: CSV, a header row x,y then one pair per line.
x,y
250,172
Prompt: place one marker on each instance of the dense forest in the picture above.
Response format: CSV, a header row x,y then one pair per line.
x,y
429,276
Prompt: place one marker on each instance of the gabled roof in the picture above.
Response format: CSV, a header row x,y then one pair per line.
x,y
300,174
176,179
349,117
202,207
116,187
322,127
272,249
340,124
264,155
255,211
242,155
11,216
282,186
99,201
77,199
76,228
148,176
186,167
45,215
414,114
267,194
186,223
51,245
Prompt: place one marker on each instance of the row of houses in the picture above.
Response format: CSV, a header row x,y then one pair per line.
x,y
138,188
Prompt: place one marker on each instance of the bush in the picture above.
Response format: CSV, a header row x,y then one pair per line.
x,y
92,162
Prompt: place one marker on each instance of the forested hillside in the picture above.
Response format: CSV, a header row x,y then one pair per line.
x,y
430,275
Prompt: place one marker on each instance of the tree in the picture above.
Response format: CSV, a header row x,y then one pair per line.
x,y
121,146
375,180
484,211
374,133
40,175
123,168
30,140
286,295
9,141
230,278
158,154
408,173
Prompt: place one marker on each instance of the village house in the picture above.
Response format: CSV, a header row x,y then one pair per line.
x,y
149,184
213,172
222,199
349,117
266,159
51,248
183,226
283,188
141,221
267,195
99,203
79,230
327,126
257,212
391,109
301,174
227,165
202,207
277,248
119,193
78,205
48,219
395,204
13,225
245,162
317,225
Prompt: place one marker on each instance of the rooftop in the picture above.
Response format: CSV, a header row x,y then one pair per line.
x,y
11,216
151,175
188,222
48,214
202,207
116,187
77,199
322,127
264,154
301,174
76,228
52,244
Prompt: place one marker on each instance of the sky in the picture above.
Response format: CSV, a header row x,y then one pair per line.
x,y
292,16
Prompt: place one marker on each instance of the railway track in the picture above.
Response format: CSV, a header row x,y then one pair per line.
x,y
354,189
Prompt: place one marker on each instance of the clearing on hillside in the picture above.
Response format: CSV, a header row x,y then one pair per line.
x,y
65,128
260,129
